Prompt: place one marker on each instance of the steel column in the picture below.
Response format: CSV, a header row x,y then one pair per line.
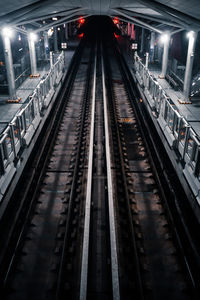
x,y
189,66
165,58
46,44
132,32
142,40
55,40
31,44
152,42
9,67
66,31
129,29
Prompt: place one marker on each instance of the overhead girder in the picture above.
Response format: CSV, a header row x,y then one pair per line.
x,y
45,17
129,21
172,14
59,22
151,18
7,18
67,21
137,21
22,21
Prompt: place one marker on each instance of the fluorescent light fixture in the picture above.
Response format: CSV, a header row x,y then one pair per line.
x,y
54,18
7,32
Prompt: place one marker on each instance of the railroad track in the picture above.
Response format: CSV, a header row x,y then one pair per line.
x,y
38,263
97,227
150,263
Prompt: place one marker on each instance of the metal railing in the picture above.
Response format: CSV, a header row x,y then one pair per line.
x,y
185,140
22,127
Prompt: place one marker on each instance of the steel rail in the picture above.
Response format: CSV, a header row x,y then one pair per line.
x,y
39,164
86,235
113,238
74,182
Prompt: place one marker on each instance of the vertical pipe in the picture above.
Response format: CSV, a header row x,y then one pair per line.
x,y
9,67
189,66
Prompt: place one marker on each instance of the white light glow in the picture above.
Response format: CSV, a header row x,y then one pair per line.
x,y
164,38
58,28
54,19
190,34
7,31
50,32
33,36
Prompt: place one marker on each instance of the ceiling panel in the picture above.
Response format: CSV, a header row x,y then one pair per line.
x,y
33,8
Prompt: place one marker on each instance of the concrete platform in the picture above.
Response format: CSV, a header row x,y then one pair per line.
x,y
9,110
191,112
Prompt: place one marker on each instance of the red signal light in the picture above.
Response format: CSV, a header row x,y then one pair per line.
x,y
115,21
80,35
116,35
81,21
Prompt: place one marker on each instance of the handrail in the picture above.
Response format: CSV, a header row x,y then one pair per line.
x,y
167,111
28,113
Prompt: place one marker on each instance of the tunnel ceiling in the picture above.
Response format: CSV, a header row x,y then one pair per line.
x,y
176,13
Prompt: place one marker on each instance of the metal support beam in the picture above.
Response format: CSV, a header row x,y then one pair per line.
x,y
56,23
26,10
152,42
20,30
176,31
63,22
137,21
163,10
131,13
33,61
142,40
170,13
66,31
130,21
55,40
46,45
129,29
132,32
189,66
44,17
165,57
51,59
9,67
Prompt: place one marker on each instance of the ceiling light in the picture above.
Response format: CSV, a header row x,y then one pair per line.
x,y
33,36
7,31
190,34
164,37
